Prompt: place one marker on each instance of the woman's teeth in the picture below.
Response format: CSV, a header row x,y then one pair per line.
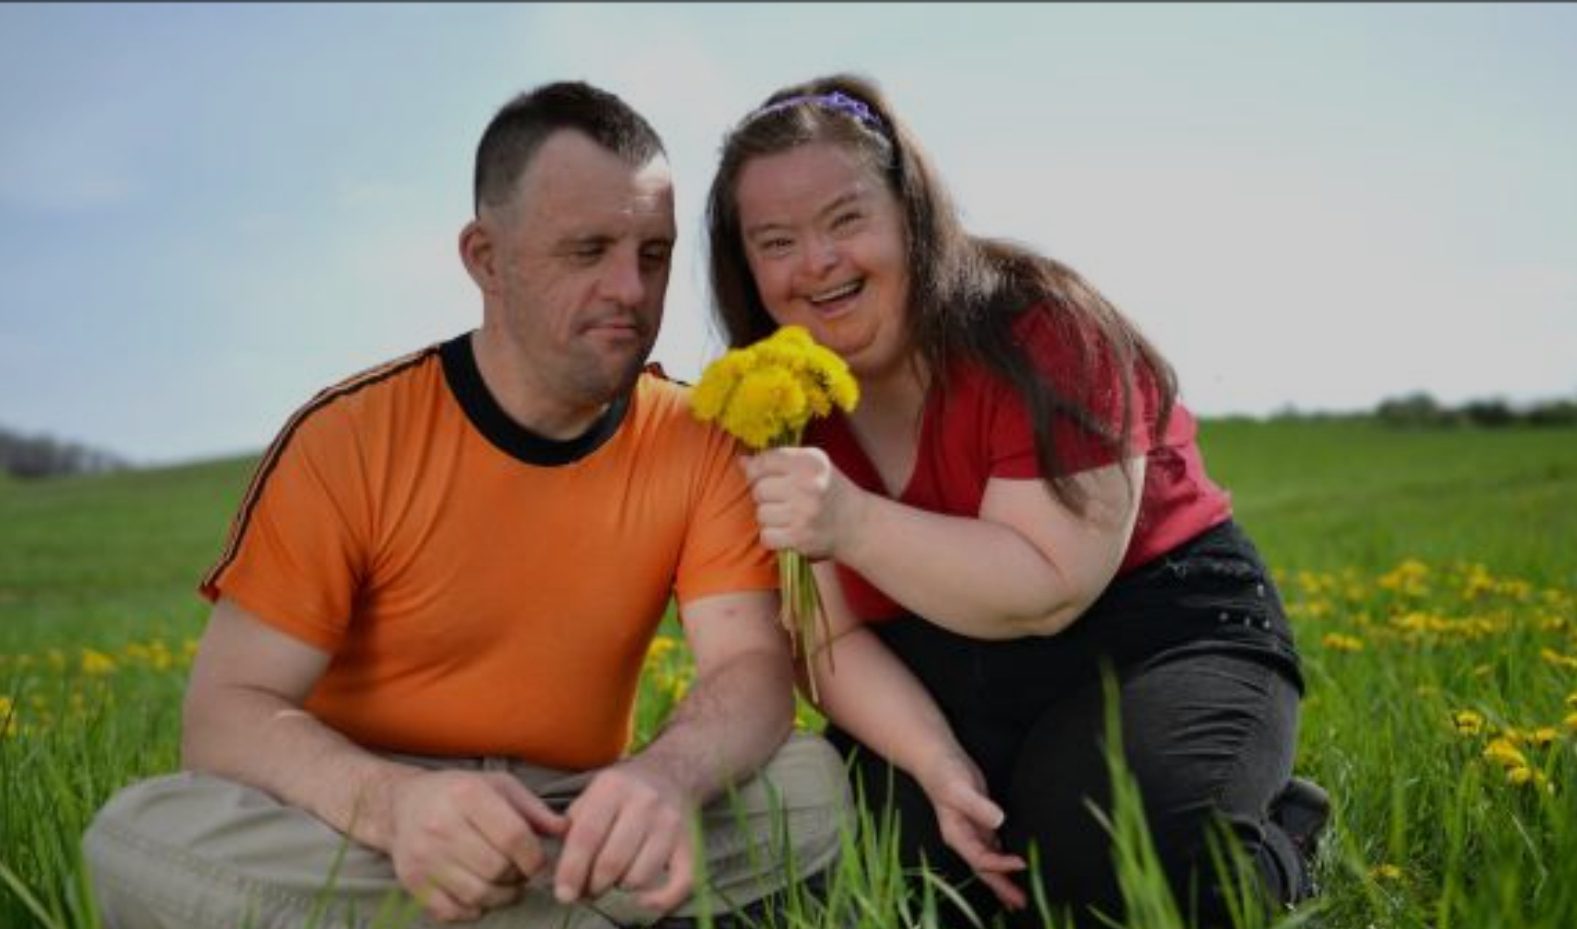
x,y
837,293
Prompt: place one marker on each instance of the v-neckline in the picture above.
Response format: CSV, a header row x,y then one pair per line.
x,y
867,464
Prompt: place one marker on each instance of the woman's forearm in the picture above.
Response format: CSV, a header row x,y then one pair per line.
x,y
871,695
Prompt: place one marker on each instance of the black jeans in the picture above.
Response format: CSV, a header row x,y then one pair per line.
x,y
1208,684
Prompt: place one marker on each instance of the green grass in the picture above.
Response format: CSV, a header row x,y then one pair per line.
x,y
98,613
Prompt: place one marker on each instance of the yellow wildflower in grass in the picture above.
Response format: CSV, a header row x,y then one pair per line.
x,y
1505,754
1571,699
1543,736
1406,578
1476,581
660,648
1337,642
1513,735
1482,670
1570,722
1385,872
1557,659
764,395
1467,722
96,662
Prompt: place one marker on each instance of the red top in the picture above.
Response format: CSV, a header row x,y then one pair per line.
x,y
980,429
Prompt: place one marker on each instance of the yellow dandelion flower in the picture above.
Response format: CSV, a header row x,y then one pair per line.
x,y
1519,775
1570,722
765,408
96,662
710,396
1571,699
1513,735
1386,872
1505,754
1543,736
1335,641
1557,659
5,706
1467,722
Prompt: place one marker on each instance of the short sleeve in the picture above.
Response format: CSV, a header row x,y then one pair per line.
x,y
296,552
722,550
1091,411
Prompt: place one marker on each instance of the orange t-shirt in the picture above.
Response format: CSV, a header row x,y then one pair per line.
x,y
483,590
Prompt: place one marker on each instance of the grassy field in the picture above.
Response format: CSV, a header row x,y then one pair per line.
x,y
1431,576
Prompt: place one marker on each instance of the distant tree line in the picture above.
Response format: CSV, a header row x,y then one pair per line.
x,y
44,456
1421,410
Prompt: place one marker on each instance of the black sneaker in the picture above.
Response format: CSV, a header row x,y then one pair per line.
x,y
1302,810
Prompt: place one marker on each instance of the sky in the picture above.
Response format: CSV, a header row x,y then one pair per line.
x,y
210,212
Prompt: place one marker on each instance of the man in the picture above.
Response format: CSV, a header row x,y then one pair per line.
x,y
430,617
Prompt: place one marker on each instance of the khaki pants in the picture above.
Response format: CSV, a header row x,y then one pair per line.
x,y
198,852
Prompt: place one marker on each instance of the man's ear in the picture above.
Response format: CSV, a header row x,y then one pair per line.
x,y
479,256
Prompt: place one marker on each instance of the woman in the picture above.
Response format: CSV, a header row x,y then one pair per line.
x,y
1016,503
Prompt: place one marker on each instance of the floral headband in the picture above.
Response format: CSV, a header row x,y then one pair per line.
x,y
836,100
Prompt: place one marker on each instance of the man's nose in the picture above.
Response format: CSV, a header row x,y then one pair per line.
x,y
622,281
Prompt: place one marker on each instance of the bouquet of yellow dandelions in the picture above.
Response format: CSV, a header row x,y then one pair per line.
x,y
764,396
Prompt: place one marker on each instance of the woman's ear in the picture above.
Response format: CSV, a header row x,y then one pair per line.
x,y
476,251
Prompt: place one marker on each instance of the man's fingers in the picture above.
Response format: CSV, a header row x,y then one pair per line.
x,y
647,867
440,905
589,822
503,844
474,893
681,871
543,818
618,851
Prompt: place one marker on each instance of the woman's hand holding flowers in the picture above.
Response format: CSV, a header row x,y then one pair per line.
x,y
804,503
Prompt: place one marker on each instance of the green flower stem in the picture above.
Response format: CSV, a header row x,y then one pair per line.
x,y
802,614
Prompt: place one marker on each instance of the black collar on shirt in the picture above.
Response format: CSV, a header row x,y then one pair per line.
x,y
513,439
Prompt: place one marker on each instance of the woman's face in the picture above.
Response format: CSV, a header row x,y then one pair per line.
x,y
825,241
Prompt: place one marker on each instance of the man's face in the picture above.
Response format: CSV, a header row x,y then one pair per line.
x,y
583,254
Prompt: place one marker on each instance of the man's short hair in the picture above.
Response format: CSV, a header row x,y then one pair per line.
x,y
524,123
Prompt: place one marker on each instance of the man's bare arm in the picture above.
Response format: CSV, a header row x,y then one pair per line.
x,y
461,841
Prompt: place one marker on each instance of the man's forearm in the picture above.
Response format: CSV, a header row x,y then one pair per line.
x,y
260,739
728,725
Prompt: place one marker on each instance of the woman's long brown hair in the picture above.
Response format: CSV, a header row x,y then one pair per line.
x,y
966,293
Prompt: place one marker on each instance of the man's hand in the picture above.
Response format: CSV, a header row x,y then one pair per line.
x,y
464,842
628,829
969,821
